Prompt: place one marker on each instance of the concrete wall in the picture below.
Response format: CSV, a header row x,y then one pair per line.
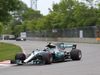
x,y
86,40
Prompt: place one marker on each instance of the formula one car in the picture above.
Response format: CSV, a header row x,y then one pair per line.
x,y
52,53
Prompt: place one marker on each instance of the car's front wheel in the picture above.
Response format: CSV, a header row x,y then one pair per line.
x,y
48,58
19,58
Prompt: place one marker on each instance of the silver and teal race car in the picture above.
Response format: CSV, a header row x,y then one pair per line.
x,y
53,52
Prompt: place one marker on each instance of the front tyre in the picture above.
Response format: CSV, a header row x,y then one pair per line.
x,y
76,54
19,58
48,58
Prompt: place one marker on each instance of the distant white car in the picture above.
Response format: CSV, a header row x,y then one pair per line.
x,y
20,39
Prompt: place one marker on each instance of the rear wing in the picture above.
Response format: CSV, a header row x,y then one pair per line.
x,y
62,46
69,46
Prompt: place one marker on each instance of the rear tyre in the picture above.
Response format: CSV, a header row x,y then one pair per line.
x,y
20,57
76,54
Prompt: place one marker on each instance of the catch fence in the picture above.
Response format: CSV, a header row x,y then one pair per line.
x,y
83,32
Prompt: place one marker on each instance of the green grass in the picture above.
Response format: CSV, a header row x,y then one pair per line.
x,y
8,51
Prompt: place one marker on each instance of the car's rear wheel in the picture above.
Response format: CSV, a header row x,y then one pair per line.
x,y
76,54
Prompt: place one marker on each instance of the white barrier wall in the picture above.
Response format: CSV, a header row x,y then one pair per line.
x,y
84,40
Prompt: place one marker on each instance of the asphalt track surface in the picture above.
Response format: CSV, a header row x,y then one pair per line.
x,y
88,65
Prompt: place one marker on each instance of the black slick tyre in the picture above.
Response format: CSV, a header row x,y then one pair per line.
x,y
20,56
48,58
76,54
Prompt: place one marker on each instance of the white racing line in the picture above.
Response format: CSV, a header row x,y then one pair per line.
x,y
4,65
22,49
